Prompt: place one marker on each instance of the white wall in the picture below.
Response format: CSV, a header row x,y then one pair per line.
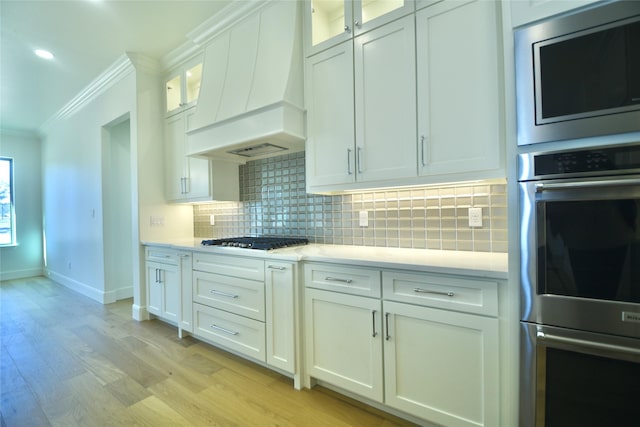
x,y
78,204
25,259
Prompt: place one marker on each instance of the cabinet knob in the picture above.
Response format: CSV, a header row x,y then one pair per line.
x,y
357,24
347,28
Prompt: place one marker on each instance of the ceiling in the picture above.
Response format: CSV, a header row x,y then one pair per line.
x,y
86,37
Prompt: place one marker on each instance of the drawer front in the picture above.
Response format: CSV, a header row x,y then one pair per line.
x,y
237,266
450,293
237,333
164,256
350,280
239,296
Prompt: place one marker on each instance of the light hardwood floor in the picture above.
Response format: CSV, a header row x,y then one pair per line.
x,y
70,361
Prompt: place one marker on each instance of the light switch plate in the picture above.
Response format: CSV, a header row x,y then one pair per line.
x,y
212,219
364,218
475,217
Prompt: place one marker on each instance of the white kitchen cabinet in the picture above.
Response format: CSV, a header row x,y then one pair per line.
x,y
382,145
329,22
460,113
281,313
169,286
192,179
182,86
248,305
163,284
428,348
526,11
441,365
344,342
330,117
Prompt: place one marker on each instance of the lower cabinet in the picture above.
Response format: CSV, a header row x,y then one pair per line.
x,y
414,349
163,291
169,286
440,365
248,305
344,341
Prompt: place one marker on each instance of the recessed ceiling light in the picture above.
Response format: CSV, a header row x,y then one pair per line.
x,y
44,53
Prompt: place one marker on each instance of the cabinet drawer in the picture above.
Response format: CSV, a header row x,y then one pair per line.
x,y
451,293
233,294
350,280
238,266
237,333
164,256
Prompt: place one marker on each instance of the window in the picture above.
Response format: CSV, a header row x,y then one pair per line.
x,y
7,212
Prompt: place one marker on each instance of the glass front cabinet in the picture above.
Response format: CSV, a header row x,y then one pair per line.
x,y
330,22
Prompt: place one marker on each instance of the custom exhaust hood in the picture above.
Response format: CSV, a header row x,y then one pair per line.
x,y
251,96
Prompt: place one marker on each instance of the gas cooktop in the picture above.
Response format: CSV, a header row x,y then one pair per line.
x,y
263,243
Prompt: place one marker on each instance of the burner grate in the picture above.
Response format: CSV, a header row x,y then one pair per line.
x,y
262,243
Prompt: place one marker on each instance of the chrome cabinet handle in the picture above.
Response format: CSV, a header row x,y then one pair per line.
x,y
275,267
426,291
373,319
386,323
349,171
422,149
222,294
337,279
226,331
358,156
157,276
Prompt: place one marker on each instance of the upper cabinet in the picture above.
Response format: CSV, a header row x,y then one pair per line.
x,y
459,89
375,78
182,87
418,100
330,22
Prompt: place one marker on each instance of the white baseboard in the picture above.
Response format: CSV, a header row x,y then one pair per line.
x,y
81,288
21,274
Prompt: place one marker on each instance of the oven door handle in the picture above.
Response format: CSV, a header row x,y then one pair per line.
x,y
600,347
587,184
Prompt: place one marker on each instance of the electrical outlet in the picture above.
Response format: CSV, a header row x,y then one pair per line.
x,y
364,218
212,219
475,217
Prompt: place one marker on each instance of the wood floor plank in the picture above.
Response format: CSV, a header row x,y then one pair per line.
x,y
154,412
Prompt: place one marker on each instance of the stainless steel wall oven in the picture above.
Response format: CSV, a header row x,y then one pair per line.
x,y
580,287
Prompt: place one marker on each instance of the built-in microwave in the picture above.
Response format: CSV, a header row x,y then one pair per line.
x,y
578,75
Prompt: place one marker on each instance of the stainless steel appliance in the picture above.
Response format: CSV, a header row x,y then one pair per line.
x,y
579,75
580,287
263,243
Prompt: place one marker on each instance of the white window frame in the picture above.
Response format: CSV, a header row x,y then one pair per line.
x,y
9,211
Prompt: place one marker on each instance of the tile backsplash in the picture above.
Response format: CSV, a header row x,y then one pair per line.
x,y
274,202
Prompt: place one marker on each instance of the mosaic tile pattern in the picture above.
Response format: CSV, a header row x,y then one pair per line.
x,y
274,202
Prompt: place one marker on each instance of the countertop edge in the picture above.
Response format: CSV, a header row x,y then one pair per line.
x,y
475,264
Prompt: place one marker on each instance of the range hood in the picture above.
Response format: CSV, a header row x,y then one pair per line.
x,y
251,102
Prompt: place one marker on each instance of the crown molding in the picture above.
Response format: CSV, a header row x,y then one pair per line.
x,y
122,67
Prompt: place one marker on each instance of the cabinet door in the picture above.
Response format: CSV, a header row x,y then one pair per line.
x,y
385,100
163,291
174,158
197,170
280,311
441,366
343,341
326,23
186,178
330,117
370,14
459,90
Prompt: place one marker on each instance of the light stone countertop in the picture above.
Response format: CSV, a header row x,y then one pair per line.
x,y
476,264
